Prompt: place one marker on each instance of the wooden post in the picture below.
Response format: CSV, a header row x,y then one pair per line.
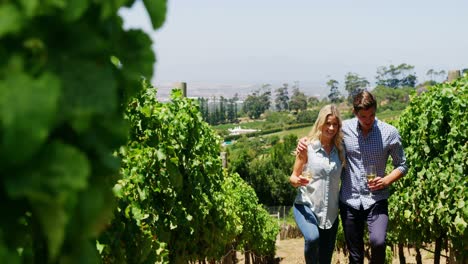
x,y
182,86
453,75
224,159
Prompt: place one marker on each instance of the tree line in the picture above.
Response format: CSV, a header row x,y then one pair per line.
x,y
219,110
223,110
390,79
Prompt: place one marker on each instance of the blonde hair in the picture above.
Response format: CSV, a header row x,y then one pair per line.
x,y
316,131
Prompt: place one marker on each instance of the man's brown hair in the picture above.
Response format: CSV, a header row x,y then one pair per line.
x,y
364,100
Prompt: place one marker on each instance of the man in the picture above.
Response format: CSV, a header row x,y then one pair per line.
x,y
367,141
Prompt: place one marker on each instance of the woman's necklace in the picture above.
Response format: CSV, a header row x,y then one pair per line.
x,y
325,145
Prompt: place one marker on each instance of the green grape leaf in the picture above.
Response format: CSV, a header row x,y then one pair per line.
x,y
57,173
52,184
11,20
157,11
56,3
460,224
138,63
88,253
110,7
407,214
89,89
53,219
9,255
28,111
176,176
29,7
94,208
461,204
74,9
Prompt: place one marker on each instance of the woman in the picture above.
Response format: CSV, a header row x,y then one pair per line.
x,y
316,204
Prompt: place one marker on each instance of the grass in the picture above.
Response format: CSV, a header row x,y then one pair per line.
x,y
299,132
257,124
386,115
389,115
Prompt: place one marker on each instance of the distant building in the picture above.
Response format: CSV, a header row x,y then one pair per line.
x,y
238,130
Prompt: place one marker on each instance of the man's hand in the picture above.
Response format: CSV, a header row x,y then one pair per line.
x,y
301,145
377,184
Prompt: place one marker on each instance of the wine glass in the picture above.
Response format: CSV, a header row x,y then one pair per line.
x,y
370,174
307,173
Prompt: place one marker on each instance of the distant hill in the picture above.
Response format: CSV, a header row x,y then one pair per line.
x,y
201,89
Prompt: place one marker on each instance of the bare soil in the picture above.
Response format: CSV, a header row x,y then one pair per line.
x,y
291,251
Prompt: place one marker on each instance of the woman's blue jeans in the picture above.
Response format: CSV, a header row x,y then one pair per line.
x,y
318,243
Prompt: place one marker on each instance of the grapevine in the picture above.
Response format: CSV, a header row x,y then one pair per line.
x,y
175,196
429,204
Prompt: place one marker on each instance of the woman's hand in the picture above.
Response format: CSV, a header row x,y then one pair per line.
x,y
296,178
297,181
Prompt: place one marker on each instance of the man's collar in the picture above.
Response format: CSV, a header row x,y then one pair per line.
x,y
358,125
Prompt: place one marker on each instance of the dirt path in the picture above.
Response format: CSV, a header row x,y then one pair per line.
x,y
291,251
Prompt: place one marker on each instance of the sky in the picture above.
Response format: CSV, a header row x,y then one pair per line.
x,y
242,44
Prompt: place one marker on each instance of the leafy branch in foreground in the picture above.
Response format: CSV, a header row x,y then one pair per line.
x,y
61,117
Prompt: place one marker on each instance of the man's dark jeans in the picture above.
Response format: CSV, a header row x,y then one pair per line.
x,y
353,221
